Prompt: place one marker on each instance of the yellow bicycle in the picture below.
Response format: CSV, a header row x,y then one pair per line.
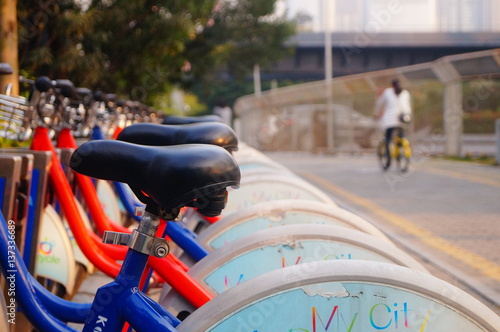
x,y
399,150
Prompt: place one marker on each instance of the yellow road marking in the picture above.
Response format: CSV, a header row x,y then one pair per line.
x,y
486,267
462,176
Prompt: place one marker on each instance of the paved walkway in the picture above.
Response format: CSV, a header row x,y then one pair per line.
x,y
445,213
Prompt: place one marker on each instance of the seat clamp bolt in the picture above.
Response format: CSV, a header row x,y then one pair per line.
x,y
160,250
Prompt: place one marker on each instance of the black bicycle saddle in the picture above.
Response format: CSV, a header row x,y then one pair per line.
x,y
166,177
214,133
179,120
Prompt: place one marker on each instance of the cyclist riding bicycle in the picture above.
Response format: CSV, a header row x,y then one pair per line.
x,y
393,109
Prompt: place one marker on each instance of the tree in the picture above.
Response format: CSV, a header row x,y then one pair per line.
x,y
145,42
8,43
141,48
125,46
241,34
51,41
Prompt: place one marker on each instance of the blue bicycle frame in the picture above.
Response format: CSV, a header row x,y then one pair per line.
x,y
48,312
186,240
32,297
123,302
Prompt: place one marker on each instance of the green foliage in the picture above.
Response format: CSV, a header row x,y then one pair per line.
x,y
132,47
241,34
145,42
480,122
213,91
51,36
9,143
427,99
192,106
141,48
479,159
481,94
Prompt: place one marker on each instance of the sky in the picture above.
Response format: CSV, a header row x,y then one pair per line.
x,y
405,16
312,7
412,16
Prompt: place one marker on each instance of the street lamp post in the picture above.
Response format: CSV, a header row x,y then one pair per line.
x,y
330,124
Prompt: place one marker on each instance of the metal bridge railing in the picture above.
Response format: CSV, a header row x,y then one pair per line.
x,y
296,117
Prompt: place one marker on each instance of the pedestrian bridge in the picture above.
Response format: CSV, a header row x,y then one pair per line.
x,y
335,115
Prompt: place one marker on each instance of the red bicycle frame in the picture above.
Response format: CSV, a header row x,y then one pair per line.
x,y
97,252
97,213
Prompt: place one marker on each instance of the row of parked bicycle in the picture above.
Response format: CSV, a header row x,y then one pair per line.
x,y
237,241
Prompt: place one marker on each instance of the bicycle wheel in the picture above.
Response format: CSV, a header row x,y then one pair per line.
x,y
272,214
383,156
270,187
403,156
232,265
365,296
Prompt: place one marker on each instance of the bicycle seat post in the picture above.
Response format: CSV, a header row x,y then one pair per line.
x,y
142,239
165,178
148,225
142,243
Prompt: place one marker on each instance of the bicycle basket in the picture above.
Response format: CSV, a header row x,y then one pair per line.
x,y
12,114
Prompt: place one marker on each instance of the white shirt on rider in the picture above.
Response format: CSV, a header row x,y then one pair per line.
x,y
392,106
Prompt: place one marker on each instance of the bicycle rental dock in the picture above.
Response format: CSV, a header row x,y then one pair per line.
x,y
189,229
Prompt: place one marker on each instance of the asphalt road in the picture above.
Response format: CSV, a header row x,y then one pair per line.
x,y
446,214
